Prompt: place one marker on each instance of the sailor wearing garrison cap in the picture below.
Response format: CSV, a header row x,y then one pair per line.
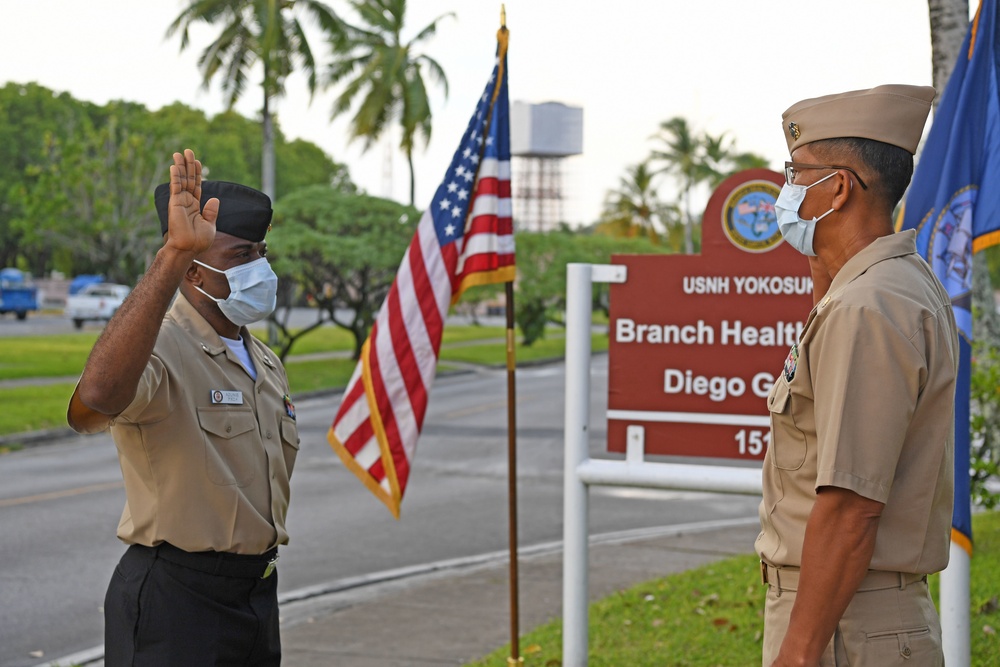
x,y
858,478
205,429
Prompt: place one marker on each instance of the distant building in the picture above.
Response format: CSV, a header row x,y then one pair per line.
x,y
541,136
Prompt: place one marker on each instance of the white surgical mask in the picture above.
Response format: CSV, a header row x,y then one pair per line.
x,y
798,232
253,290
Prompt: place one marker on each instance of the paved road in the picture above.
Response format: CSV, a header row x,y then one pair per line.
x,y
60,503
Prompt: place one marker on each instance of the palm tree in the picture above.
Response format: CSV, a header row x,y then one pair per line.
x,y
682,155
949,22
264,32
634,206
386,74
721,160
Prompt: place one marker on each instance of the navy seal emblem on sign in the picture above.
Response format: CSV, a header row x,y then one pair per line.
x,y
748,217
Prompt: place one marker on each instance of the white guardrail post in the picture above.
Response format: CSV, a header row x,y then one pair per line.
x,y
579,280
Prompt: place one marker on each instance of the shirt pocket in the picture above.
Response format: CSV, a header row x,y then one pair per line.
x,y
788,443
289,442
230,438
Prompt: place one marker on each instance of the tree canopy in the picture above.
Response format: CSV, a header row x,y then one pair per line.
x,y
341,249
79,196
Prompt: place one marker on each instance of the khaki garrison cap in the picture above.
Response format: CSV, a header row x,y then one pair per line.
x,y
893,114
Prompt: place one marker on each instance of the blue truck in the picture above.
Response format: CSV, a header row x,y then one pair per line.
x,y
17,293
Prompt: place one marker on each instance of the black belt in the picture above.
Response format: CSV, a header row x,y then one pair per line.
x,y
244,566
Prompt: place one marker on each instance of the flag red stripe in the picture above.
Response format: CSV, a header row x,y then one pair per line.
x,y
415,389
386,412
422,286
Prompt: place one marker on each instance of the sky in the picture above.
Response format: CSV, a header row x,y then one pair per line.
x,y
726,66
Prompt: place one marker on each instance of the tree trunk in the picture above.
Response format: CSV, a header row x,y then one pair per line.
x,y
688,222
267,150
949,23
413,180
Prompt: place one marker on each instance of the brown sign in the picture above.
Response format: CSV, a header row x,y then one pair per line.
x,y
697,340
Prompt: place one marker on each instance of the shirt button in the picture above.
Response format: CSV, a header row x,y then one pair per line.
x,y
907,651
229,429
268,435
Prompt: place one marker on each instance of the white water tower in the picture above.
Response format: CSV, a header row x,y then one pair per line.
x,y
541,136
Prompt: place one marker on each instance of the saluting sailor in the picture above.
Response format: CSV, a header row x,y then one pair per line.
x,y
206,436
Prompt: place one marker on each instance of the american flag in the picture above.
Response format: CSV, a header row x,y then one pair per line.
x,y
464,238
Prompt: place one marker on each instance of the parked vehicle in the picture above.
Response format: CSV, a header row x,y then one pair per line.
x,y
97,301
81,281
17,293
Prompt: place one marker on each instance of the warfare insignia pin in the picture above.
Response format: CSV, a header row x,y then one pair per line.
x,y
289,406
793,129
791,362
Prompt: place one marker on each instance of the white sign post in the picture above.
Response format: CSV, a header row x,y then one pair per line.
x,y
582,472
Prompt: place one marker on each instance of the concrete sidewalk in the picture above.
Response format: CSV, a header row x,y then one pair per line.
x,y
455,612
459,615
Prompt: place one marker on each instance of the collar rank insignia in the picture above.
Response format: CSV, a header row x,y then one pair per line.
x,y
791,362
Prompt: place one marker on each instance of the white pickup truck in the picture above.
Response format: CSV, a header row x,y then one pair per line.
x,y
95,302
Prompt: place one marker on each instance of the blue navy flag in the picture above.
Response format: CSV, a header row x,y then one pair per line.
x,y
954,204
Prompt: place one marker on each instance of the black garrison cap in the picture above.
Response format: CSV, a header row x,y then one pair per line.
x,y
243,211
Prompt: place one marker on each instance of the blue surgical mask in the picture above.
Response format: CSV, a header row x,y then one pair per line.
x,y
253,289
798,232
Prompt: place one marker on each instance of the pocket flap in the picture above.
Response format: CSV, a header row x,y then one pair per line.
x,y
226,423
777,400
289,433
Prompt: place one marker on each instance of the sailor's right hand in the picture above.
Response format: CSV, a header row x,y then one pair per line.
x,y
190,229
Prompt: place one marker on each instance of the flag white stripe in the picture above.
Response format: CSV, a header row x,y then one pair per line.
x,y
489,168
356,415
485,205
488,243
505,208
437,272
395,386
369,454
416,327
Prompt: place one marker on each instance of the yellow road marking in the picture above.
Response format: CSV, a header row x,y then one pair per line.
x,y
53,495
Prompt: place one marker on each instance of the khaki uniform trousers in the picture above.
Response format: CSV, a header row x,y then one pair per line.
x,y
890,621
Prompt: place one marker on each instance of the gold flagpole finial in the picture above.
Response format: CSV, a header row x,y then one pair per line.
x,y
503,16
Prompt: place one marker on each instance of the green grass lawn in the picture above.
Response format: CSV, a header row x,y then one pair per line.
x,y
45,356
34,408
713,616
43,407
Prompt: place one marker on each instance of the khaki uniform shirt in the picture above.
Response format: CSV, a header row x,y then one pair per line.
x,y
866,402
200,473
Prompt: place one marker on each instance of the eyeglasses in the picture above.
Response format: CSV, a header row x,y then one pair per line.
x,y
792,167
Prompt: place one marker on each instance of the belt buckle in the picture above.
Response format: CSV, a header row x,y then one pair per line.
x,y
763,573
271,564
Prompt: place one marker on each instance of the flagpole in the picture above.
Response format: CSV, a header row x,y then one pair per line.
x,y
515,649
